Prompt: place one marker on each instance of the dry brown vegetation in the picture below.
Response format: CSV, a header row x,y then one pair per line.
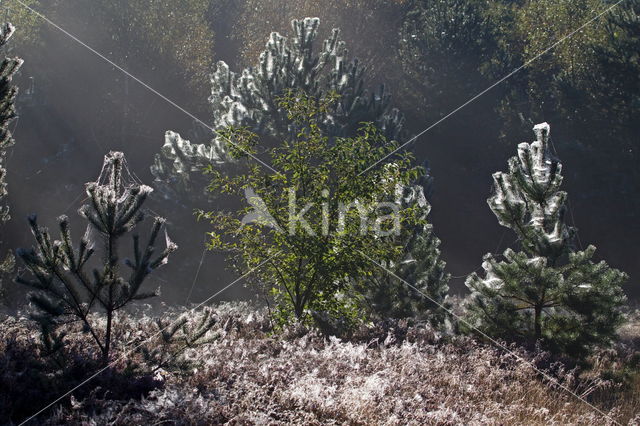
x,y
387,374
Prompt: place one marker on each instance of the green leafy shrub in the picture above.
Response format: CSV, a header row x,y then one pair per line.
x,y
306,264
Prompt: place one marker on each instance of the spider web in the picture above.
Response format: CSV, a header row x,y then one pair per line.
x,y
127,180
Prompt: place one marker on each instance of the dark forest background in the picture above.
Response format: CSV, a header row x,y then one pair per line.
x,y
432,55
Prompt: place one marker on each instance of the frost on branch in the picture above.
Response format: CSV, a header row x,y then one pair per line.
x,y
528,199
548,291
8,92
70,283
250,99
180,158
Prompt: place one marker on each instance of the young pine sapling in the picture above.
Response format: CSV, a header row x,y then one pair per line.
x,y
65,290
548,291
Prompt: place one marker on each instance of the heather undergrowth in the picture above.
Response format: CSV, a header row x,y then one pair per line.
x,y
392,373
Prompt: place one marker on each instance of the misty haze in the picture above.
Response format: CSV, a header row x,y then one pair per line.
x,y
335,212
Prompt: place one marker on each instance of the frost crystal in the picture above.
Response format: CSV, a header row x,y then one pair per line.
x,y
249,99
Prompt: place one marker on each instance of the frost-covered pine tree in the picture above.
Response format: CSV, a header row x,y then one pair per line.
x,y
8,92
419,266
548,291
250,99
70,283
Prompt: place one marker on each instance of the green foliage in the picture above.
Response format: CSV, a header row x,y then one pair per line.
x,y
443,46
23,18
539,24
305,265
419,264
64,290
589,81
559,81
178,30
548,291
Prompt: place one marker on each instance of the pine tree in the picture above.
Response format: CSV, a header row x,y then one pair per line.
x,y
8,93
548,291
250,99
420,266
65,289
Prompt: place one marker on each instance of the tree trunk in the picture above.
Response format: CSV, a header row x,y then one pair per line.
x,y
107,342
298,309
538,322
